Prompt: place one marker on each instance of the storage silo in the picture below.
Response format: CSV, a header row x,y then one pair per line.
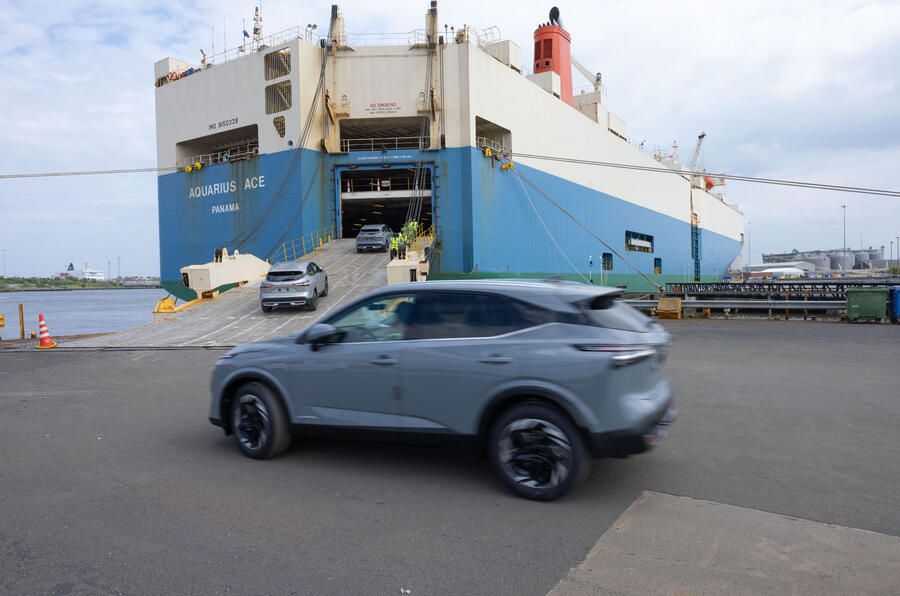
x,y
820,260
841,261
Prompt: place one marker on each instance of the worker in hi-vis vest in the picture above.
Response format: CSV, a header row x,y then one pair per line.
x,y
395,246
402,249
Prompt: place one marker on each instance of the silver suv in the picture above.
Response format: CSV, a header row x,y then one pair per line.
x,y
296,283
374,237
541,375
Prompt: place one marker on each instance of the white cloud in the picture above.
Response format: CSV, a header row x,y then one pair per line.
x,y
801,90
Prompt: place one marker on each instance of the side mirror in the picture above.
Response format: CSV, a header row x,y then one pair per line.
x,y
319,334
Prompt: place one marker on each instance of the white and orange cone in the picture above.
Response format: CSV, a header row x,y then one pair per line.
x,y
44,334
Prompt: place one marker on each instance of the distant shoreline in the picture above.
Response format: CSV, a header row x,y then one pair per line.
x,y
157,287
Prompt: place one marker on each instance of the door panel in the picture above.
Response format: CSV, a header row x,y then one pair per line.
x,y
448,381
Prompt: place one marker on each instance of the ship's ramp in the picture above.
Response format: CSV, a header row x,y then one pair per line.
x,y
235,317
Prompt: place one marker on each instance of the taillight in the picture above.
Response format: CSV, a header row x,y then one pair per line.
x,y
302,282
265,285
622,355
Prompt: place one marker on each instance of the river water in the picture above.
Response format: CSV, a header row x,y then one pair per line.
x,y
73,312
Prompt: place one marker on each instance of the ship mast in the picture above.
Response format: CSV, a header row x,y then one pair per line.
x,y
257,30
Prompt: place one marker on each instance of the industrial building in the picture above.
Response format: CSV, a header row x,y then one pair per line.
x,y
831,260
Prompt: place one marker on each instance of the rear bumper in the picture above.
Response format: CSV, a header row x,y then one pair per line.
x,y
295,301
370,245
650,432
285,299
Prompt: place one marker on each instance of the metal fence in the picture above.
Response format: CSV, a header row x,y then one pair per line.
x,y
297,248
232,154
384,144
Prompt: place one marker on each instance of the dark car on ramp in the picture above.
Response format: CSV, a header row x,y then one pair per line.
x,y
542,375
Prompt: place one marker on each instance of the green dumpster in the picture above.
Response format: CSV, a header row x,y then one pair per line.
x,y
866,304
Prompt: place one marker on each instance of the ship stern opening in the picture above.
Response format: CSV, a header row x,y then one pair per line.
x,y
381,196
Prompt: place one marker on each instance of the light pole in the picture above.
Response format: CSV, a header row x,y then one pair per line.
x,y
844,260
749,254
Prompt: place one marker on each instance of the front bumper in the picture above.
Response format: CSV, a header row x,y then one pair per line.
x,y
650,432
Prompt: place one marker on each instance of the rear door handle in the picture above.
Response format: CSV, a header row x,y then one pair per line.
x,y
384,360
497,359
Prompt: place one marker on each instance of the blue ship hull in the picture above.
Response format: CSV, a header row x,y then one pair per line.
x,y
486,225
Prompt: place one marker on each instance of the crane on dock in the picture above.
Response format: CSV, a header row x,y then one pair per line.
x,y
595,79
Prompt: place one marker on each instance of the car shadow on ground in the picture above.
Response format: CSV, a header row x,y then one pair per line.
x,y
455,468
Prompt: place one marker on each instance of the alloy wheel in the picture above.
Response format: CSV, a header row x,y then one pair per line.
x,y
535,453
252,424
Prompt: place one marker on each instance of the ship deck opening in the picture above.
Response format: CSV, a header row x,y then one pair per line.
x,y
380,134
381,196
220,147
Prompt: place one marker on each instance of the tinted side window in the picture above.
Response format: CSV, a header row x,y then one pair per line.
x,y
381,319
457,315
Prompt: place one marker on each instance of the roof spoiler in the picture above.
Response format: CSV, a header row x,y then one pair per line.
x,y
588,296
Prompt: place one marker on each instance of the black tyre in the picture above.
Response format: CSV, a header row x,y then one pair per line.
x,y
259,422
538,452
267,309
313,303
325,291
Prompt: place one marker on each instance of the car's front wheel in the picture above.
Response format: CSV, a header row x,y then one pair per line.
x,y
537,451
259,422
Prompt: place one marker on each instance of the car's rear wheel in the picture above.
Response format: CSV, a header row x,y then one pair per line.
x,y
266,308
313,303
325,291
538,452
259,422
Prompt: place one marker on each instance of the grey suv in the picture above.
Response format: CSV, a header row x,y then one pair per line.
x,y
374,237
296,283
541,375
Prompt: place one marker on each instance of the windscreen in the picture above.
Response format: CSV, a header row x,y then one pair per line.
x,y
614,314
370,229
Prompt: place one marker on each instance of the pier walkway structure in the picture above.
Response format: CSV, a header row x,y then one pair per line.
x,y
235,317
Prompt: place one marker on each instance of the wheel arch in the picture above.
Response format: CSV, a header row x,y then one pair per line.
x,y
240,378
537,393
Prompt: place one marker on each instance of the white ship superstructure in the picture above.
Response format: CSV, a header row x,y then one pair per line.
x,y
298,133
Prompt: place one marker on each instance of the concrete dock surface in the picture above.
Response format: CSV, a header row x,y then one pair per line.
x,y
664,544
235,316
781,475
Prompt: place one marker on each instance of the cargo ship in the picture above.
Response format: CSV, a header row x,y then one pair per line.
x,y
297,136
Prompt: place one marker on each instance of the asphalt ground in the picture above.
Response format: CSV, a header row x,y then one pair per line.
x,y
113,481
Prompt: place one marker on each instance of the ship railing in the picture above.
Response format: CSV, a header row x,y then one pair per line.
x,y
297,248
267,42
230,154
384,144
408,38
421,242
480,38
494,145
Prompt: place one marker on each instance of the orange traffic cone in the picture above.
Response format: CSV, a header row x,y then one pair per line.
x,y
46,342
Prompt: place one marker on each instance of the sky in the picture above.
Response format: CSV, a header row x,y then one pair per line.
x,y
801,90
